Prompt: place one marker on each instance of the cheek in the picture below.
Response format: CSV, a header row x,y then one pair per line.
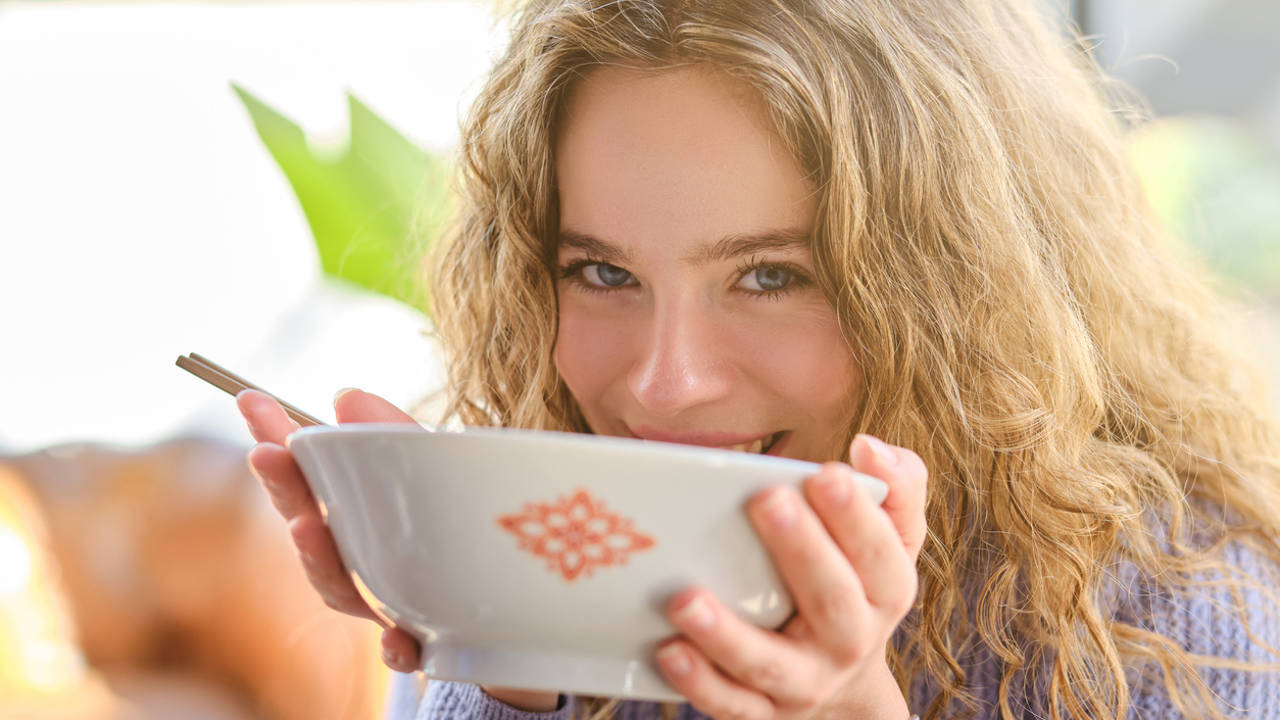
x,y
591,352
806,360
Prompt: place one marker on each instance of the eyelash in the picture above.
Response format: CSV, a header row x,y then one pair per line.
x,y
573,273
799,278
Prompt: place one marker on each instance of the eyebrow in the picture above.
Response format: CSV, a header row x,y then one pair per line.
x,y
726,248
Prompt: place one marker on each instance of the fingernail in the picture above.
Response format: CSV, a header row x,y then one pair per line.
x,y
391,657
338,395
675,660
696,615
835,488
248,461
778,508
885,456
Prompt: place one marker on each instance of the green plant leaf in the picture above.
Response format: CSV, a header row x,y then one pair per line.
x,y
1214,183
374,208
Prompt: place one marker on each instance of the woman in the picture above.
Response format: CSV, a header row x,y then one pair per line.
x,y
801,224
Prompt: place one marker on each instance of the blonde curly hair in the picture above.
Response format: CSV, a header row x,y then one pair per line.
x,y
1016,312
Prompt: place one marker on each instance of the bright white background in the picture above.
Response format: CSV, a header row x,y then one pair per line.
x,y
141,217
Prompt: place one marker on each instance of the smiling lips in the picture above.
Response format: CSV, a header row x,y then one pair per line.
x,y
758,444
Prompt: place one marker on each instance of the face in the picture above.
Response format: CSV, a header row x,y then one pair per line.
x,y
688,307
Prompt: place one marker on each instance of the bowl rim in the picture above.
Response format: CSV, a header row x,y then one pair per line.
x,y
314,432
322,434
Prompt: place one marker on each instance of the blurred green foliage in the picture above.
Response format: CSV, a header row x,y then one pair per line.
x,y
1216,185
374,208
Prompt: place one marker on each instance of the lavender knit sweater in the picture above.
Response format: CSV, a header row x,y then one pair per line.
x,y
1205,624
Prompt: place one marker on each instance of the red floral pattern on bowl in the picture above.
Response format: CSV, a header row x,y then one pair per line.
x,y
575,535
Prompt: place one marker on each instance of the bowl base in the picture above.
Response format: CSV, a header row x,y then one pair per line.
x,y
525,669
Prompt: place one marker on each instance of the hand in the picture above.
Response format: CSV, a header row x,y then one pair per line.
x,y
275,467
849,565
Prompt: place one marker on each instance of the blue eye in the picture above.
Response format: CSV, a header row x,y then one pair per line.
x,y
605,275
767,278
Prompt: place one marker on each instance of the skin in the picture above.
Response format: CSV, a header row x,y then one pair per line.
x,y
691,346
662,339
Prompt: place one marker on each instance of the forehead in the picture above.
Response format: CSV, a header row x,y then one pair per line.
x,y
674,157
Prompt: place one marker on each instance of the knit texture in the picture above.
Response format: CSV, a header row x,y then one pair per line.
x,y
1206,622
1209,624
469,702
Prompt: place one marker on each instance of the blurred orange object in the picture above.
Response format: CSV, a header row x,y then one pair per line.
x,y
41,668
161,583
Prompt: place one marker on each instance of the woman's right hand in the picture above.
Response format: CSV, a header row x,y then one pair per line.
x,y
276,469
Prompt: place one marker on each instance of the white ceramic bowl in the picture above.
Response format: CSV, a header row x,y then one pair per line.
x,y
544,560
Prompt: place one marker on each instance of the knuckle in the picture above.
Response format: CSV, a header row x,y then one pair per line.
x,y
850,649
298,530
350,603
281,506
806,703
833,607
868,554
765,675
847,651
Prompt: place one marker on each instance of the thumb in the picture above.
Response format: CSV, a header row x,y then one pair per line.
x,y
357,406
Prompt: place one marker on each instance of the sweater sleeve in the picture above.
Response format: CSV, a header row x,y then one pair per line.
x,y
462,701
1207,622
459,701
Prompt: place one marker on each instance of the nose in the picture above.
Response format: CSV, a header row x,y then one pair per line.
x,y
684,360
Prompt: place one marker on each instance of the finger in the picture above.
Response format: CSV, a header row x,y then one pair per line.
x,y
324,566
766,662
279,473
908,479
399,650
267,421
694,677
356,406
866,536
827,592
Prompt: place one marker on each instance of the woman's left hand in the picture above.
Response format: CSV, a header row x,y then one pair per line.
x,y
850,567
